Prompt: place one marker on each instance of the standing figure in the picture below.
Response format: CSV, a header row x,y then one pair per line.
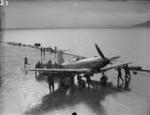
x,y
81,82
41,49
127,76
26,62
51,82
103,79
38,65
49,64
119,77
44,52
88,80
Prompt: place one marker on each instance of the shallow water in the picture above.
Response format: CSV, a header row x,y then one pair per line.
x,y
22,94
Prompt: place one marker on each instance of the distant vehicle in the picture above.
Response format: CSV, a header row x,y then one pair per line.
x,y
37,44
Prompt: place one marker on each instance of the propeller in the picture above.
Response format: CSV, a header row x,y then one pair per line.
x,y
100,52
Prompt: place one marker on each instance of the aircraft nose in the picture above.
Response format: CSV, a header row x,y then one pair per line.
x,y
107,61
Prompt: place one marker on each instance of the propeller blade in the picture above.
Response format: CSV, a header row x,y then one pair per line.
x,y
99,51
114,58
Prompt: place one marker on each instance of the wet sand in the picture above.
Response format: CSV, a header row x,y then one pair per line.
x,y
21,94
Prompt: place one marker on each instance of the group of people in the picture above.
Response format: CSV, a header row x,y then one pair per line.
x,y
127,77
81,82
50,78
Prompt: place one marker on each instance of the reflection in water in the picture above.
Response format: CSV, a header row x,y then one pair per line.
x,y
59,100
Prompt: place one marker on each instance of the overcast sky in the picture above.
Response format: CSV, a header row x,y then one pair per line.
x,y
75,14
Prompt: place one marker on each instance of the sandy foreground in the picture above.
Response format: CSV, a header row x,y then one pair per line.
x,y
21,94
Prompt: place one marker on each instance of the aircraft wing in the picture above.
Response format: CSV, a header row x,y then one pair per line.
x,y
114,66
140,70
84,70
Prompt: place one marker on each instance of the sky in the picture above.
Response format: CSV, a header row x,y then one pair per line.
x,y
71,26
74,14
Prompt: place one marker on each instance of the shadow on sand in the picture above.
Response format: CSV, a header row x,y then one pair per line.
x,y
59,99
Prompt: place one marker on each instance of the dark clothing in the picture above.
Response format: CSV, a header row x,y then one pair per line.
x,y
26,62
49,64
127,71
38,65
41,51
44,51
89,81
74,113
119,71
119,77
51,83
127,77
81,83
103,80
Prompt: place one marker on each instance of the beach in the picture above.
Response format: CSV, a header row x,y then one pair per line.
x,y
21,94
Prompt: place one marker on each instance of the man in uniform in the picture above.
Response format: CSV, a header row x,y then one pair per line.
x,y
119,77
103,79
81,82
38,65
88,80
44,51
51,82
127,76
26,62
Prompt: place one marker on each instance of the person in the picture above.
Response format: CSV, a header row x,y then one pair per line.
x,y
26,62
72,80
127,76
49,64
81,82
118,69
103,79
44,52
56,65
41,49
74,113
37,66
88,80
51,82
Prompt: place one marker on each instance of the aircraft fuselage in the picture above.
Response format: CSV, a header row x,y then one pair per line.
x,y
94,62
